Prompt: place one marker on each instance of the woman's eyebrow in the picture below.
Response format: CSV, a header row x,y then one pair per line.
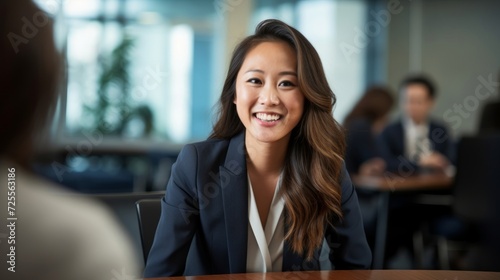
x,y
255,70
283,73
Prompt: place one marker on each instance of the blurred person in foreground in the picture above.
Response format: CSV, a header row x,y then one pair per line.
x,y
416,143
363,124
56,235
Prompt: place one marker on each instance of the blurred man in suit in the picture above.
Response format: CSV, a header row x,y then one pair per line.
x,y
416,142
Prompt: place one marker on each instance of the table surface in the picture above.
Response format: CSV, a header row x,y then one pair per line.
x,y
391,182
353,275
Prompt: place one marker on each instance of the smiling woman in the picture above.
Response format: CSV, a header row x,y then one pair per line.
x,y
282,199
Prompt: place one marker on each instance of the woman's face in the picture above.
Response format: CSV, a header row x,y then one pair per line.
x,y
268,100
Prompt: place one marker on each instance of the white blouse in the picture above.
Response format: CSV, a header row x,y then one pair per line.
x,y
417,142
265,245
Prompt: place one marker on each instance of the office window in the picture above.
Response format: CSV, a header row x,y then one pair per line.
x,y
153,69
137,69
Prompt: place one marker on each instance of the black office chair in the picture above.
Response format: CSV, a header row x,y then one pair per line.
x,y
476,204
477,180
477,196
148,213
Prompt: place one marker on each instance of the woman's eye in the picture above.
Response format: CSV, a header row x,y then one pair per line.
x,y
254,81
286,84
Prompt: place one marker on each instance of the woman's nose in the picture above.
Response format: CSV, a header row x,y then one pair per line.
x,y
269,96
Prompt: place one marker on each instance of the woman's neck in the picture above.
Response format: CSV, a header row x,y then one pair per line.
x,y
266,158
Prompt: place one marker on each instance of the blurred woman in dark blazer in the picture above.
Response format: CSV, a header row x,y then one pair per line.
x,y
363,124
268,191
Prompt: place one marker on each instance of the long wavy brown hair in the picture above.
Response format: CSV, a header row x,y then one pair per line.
x,y
313,165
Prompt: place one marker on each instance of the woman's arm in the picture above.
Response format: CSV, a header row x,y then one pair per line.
x,y
347,241
179,219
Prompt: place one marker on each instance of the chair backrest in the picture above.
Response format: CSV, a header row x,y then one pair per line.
x,y
477,183
477,197
123,206
148,213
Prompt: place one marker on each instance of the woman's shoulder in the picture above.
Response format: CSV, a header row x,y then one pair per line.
x,y
205,152
210,145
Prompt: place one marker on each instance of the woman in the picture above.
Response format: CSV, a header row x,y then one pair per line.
x,y
363,124
269,188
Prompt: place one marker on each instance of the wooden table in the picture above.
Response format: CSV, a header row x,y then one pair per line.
x,y
383,186
397,183
353,275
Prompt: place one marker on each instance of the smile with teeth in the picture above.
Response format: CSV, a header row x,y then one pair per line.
x,y
267,117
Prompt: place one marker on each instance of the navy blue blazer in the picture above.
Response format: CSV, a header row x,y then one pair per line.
x,y
204,221
392,146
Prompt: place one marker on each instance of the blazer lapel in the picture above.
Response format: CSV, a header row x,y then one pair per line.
x,y
401,137
234,184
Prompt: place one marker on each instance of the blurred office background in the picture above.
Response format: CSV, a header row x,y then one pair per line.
x,y
143,76
123,56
